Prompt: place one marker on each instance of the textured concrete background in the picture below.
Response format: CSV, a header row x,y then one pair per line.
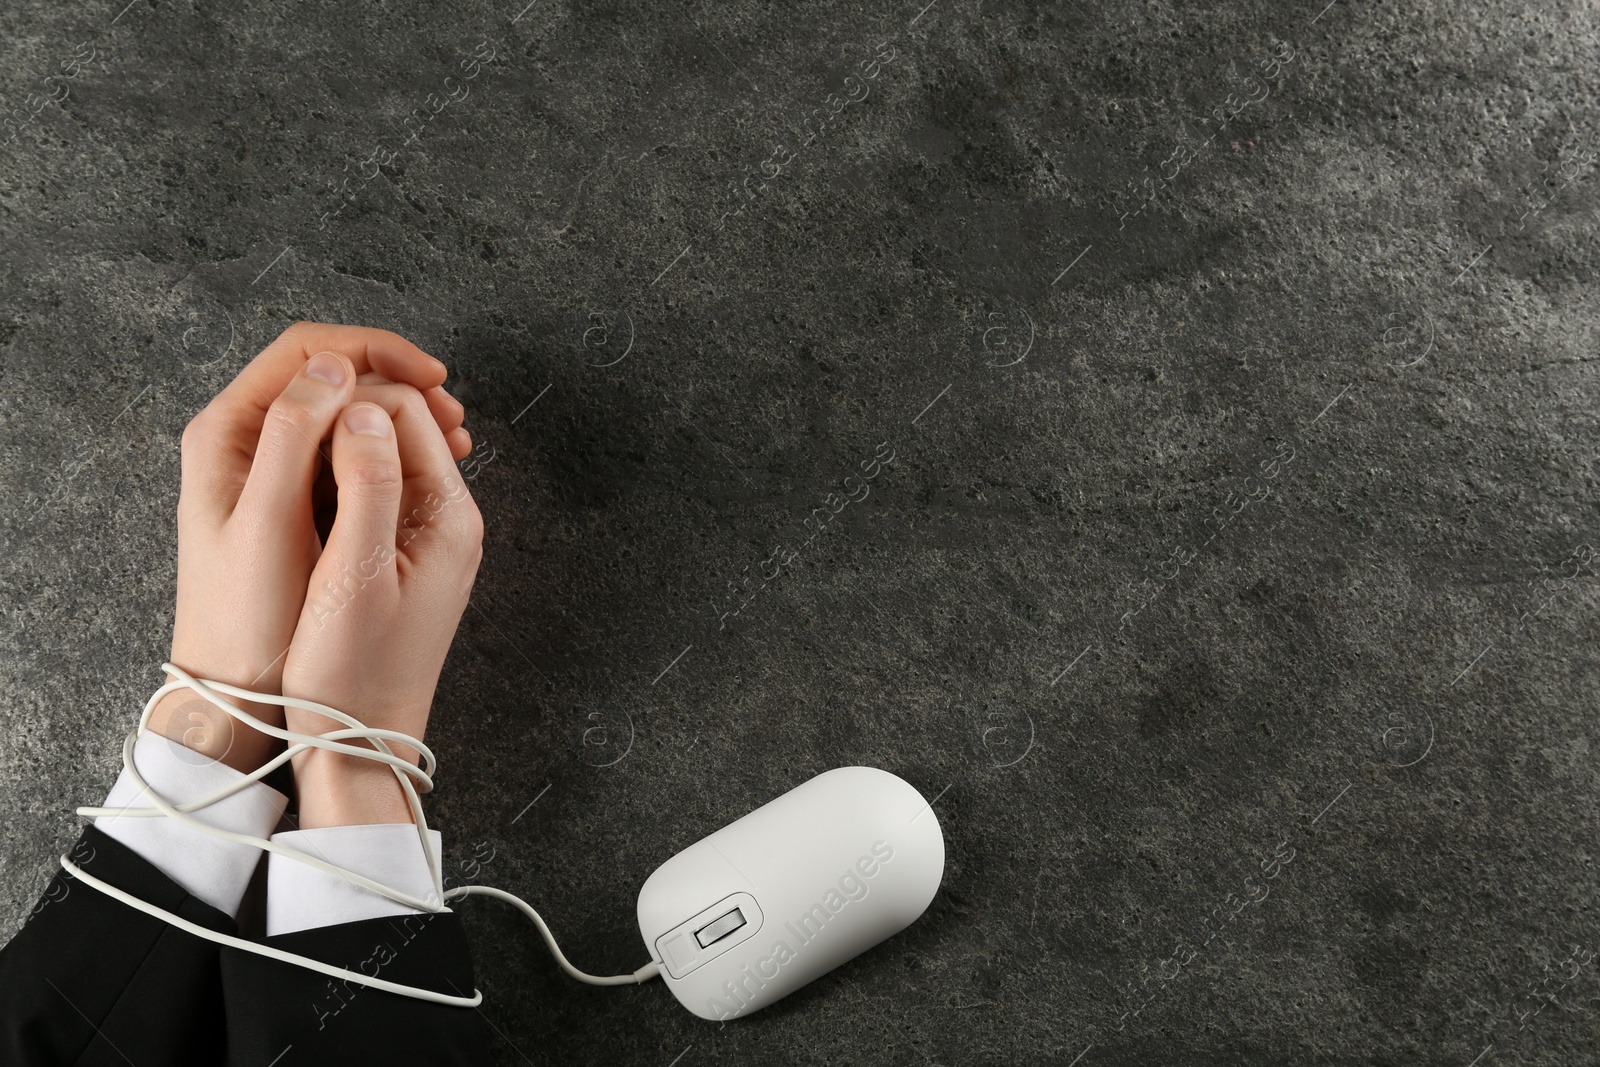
x,y
1230,589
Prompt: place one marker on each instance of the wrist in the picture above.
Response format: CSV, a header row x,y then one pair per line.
x,y
212,734
338,790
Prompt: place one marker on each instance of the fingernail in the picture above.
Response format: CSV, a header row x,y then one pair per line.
x,y
367,420
326,367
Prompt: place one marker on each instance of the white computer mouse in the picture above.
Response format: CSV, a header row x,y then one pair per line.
x,y
753,912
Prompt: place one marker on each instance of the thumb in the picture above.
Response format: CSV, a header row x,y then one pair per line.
x,y
360,550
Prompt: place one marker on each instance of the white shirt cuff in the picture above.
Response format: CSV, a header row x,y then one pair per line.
x,y
300,897
214,870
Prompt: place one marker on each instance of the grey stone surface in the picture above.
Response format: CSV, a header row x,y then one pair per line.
x,y
1250,521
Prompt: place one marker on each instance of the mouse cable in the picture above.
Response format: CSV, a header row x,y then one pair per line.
x,y
332,741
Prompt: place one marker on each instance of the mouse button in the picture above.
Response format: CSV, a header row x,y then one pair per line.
x,y
769,838
680,887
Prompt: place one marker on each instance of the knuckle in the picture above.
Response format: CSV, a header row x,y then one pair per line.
x,y
190,507
292,331
290,417
374,474
195,433
460,522
459,525
412,402
471,523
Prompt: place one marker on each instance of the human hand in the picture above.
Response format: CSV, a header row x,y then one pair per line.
x,y
384,602
247,536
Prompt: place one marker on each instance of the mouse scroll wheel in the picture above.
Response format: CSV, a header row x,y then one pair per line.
x,y
719,927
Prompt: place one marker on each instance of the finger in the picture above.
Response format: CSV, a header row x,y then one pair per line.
x,y
386,394
419,455
448,412
460,442
219,441
242,405
367,467
287,457
438,514
368,349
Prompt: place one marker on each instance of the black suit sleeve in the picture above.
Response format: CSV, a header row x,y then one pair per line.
x,y
281,1010
89,981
